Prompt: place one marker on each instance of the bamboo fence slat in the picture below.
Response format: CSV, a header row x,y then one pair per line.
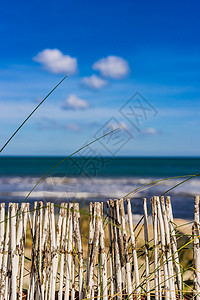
x,y
61,265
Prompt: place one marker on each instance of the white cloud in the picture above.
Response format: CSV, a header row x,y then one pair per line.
x,y
75,103
73,126
112,67
151,131
37,100
94,82
117,125
55,61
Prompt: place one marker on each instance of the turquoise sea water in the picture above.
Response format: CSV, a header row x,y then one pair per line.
x,y
102,166
99,178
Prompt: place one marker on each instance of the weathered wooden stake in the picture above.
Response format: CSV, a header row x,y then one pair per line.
x,y
168,251
174,246
129,285
135,261
146,238
155,235
196,248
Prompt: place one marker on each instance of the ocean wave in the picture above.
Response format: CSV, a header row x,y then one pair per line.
x,y
110,187
84,190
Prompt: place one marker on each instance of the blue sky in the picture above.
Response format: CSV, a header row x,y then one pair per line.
x,y
112,50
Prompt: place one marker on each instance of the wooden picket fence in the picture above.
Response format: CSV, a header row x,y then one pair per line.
x,y
52,265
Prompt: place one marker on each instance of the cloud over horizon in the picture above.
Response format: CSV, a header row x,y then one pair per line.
x,y
54,61
114,67
52,124
73,127
94,82
75,103
150,131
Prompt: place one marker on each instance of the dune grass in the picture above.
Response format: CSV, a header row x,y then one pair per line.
x,y
184,234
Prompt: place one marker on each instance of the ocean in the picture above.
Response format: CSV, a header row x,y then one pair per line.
x,y
86,179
